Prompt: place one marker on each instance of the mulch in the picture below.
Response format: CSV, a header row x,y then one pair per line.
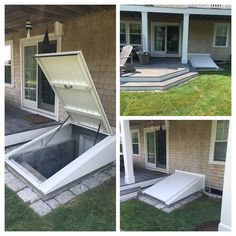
x,y
208,226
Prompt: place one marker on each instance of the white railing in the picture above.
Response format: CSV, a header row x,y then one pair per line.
x,y
209,6
218,6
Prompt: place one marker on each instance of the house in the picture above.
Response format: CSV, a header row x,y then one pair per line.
x,y
160,147
178,30
88,28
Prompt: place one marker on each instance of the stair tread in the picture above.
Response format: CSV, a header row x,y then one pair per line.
x,y
160,84
32,171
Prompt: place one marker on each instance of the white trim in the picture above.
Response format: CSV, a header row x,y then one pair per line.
x,y
135,131
34,40
212,145
164,53
12,84
185,38
153,167
26,136
176,10
227,36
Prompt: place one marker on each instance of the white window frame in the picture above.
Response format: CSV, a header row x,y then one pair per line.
x,y
227,36
34,40
135,131
153,129
164,53
12,84
212,146
127,28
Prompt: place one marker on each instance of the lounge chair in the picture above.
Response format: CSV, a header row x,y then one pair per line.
x,y
126,53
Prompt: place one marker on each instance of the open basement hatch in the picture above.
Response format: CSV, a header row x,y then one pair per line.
x,y
82,144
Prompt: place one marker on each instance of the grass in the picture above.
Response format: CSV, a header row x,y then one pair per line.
x,y
137,216
91,211
207,95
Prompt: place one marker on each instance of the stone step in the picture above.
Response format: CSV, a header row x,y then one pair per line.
x,y
156,77
160,86
33,171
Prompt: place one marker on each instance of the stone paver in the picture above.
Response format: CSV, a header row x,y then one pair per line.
x,y
102,177
148,200
64,197
91,182
16,185
111,171
78,189
41,208
160,206
53,203
168,209
177,205
9,177
27,195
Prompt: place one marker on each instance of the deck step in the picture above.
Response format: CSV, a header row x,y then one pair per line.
x,y
156,77
127,191
160,86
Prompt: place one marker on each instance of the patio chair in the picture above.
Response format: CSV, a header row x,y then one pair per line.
x,y
126,53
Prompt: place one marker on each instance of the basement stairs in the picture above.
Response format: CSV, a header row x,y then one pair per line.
x,y
156,83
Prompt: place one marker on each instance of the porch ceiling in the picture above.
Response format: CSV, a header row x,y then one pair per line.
x,y
16,15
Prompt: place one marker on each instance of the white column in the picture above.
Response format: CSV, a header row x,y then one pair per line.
x,y
127,152
145,31
225,219
184,58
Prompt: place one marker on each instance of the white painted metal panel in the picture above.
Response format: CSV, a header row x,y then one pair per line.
x,y
96,157
203,61
69,77
176,186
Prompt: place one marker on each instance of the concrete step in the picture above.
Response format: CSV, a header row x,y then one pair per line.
x,y
156,77
159,86
33,171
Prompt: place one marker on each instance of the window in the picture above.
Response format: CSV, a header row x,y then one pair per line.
x,y
221,34
135,33
122,33
130,33
8,64
220,130
135,142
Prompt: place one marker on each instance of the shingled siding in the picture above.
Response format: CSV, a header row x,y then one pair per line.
x,y
201,35
95,36
189,148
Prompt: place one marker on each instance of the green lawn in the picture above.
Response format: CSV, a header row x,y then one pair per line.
x,y
207,95
92,211
139,216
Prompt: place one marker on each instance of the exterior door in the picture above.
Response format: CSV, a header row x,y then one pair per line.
x,y
172,39
165,39
156,148
37,92
30,78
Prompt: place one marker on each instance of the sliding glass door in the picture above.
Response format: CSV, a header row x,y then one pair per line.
x,y
37,92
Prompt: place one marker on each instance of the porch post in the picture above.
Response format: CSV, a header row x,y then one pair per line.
x,y
127,152
225,219
184,58
145,31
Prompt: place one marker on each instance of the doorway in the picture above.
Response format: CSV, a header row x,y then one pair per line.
x,y
165,39
37,93
155,143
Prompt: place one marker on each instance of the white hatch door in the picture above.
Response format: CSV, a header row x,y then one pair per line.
x,y
69,77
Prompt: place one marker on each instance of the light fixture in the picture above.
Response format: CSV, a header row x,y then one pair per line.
x,y
28,27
